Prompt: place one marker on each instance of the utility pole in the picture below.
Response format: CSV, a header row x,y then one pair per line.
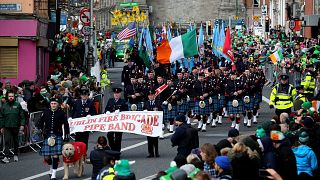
x,y
90,56
58,16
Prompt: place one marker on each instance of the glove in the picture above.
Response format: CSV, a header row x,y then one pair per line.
x,y
122,83
69,119
66,138
145,110
271,106
88,116
165,103
117,111
108,112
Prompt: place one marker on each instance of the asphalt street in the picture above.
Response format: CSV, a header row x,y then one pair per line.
x,y
134,148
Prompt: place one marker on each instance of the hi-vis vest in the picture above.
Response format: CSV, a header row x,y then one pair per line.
x,y
106,174
282,100
308,84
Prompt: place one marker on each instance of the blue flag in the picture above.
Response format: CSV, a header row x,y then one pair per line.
x,y
169,34
201,41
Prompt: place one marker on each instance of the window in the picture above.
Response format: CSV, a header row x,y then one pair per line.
x,y
8,62
256,3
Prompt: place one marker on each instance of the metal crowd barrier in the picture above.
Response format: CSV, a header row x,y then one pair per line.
x,y
32,137
271,71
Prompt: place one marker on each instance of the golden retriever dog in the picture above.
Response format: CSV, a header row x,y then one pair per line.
x,y
75,154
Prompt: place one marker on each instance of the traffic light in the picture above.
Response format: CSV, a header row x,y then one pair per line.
x,y
267,24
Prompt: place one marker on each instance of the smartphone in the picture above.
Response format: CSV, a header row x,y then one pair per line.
x,y
263,173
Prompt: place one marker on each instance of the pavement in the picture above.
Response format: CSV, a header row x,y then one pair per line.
x,y
134,147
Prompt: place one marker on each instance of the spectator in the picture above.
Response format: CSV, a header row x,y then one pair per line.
x,y
243,160
285,158
123,171
306,158
12,121
208,154
102,156
223,167
179,137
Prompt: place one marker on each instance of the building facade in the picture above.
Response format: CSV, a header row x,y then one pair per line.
x,y
186,11
23,40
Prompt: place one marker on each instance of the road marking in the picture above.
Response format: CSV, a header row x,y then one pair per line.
x,y
123,149
265,99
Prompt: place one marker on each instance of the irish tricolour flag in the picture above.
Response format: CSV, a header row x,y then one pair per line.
x,y
183,46
276,56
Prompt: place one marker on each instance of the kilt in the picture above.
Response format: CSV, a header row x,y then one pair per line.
x,y
139,106
257,99
249,106
191,104
47,150
235,110
169,114
202,111
222,101
214,106
183,108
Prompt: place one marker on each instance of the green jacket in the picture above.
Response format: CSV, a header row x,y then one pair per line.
x,y
12,115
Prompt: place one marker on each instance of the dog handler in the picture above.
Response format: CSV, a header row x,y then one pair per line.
x,y
51,124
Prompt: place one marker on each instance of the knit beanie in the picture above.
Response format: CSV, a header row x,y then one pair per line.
x,y
223,162
122,168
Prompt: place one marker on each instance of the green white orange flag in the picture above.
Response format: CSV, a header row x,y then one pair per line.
x,y
276,57
183,46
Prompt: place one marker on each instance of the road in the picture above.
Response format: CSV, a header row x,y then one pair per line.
x,y
134,148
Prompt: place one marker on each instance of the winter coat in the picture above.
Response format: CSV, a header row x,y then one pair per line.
x,y
268,157
11,115
306,159
286,161
179,139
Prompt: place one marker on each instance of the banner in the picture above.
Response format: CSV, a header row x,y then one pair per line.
x,y
146,123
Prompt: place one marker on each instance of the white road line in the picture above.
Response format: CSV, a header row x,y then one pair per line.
x,y
123,149
265,99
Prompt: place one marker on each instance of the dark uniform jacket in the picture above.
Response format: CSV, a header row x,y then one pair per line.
x,y
151,106
51,122
200,88
112,105
233,86
82,110
125,75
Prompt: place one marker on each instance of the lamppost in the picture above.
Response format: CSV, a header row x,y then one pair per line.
x,y
90,58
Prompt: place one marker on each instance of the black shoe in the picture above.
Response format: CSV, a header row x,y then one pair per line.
x,y
157,155
150,156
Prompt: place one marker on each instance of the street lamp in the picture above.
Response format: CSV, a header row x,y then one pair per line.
x,y
90,60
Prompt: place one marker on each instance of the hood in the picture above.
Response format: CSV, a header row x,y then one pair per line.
x,y
301,151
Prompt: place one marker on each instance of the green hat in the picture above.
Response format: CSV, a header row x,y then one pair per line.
x,y
122,168
306,105
260,132
84,78
171,169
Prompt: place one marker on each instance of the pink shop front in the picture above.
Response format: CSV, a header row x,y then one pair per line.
x,y
23,51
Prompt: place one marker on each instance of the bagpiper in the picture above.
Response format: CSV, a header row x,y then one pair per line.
x,y
248,98
169,104
234,90
214,89
134,94
201,96
180,84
